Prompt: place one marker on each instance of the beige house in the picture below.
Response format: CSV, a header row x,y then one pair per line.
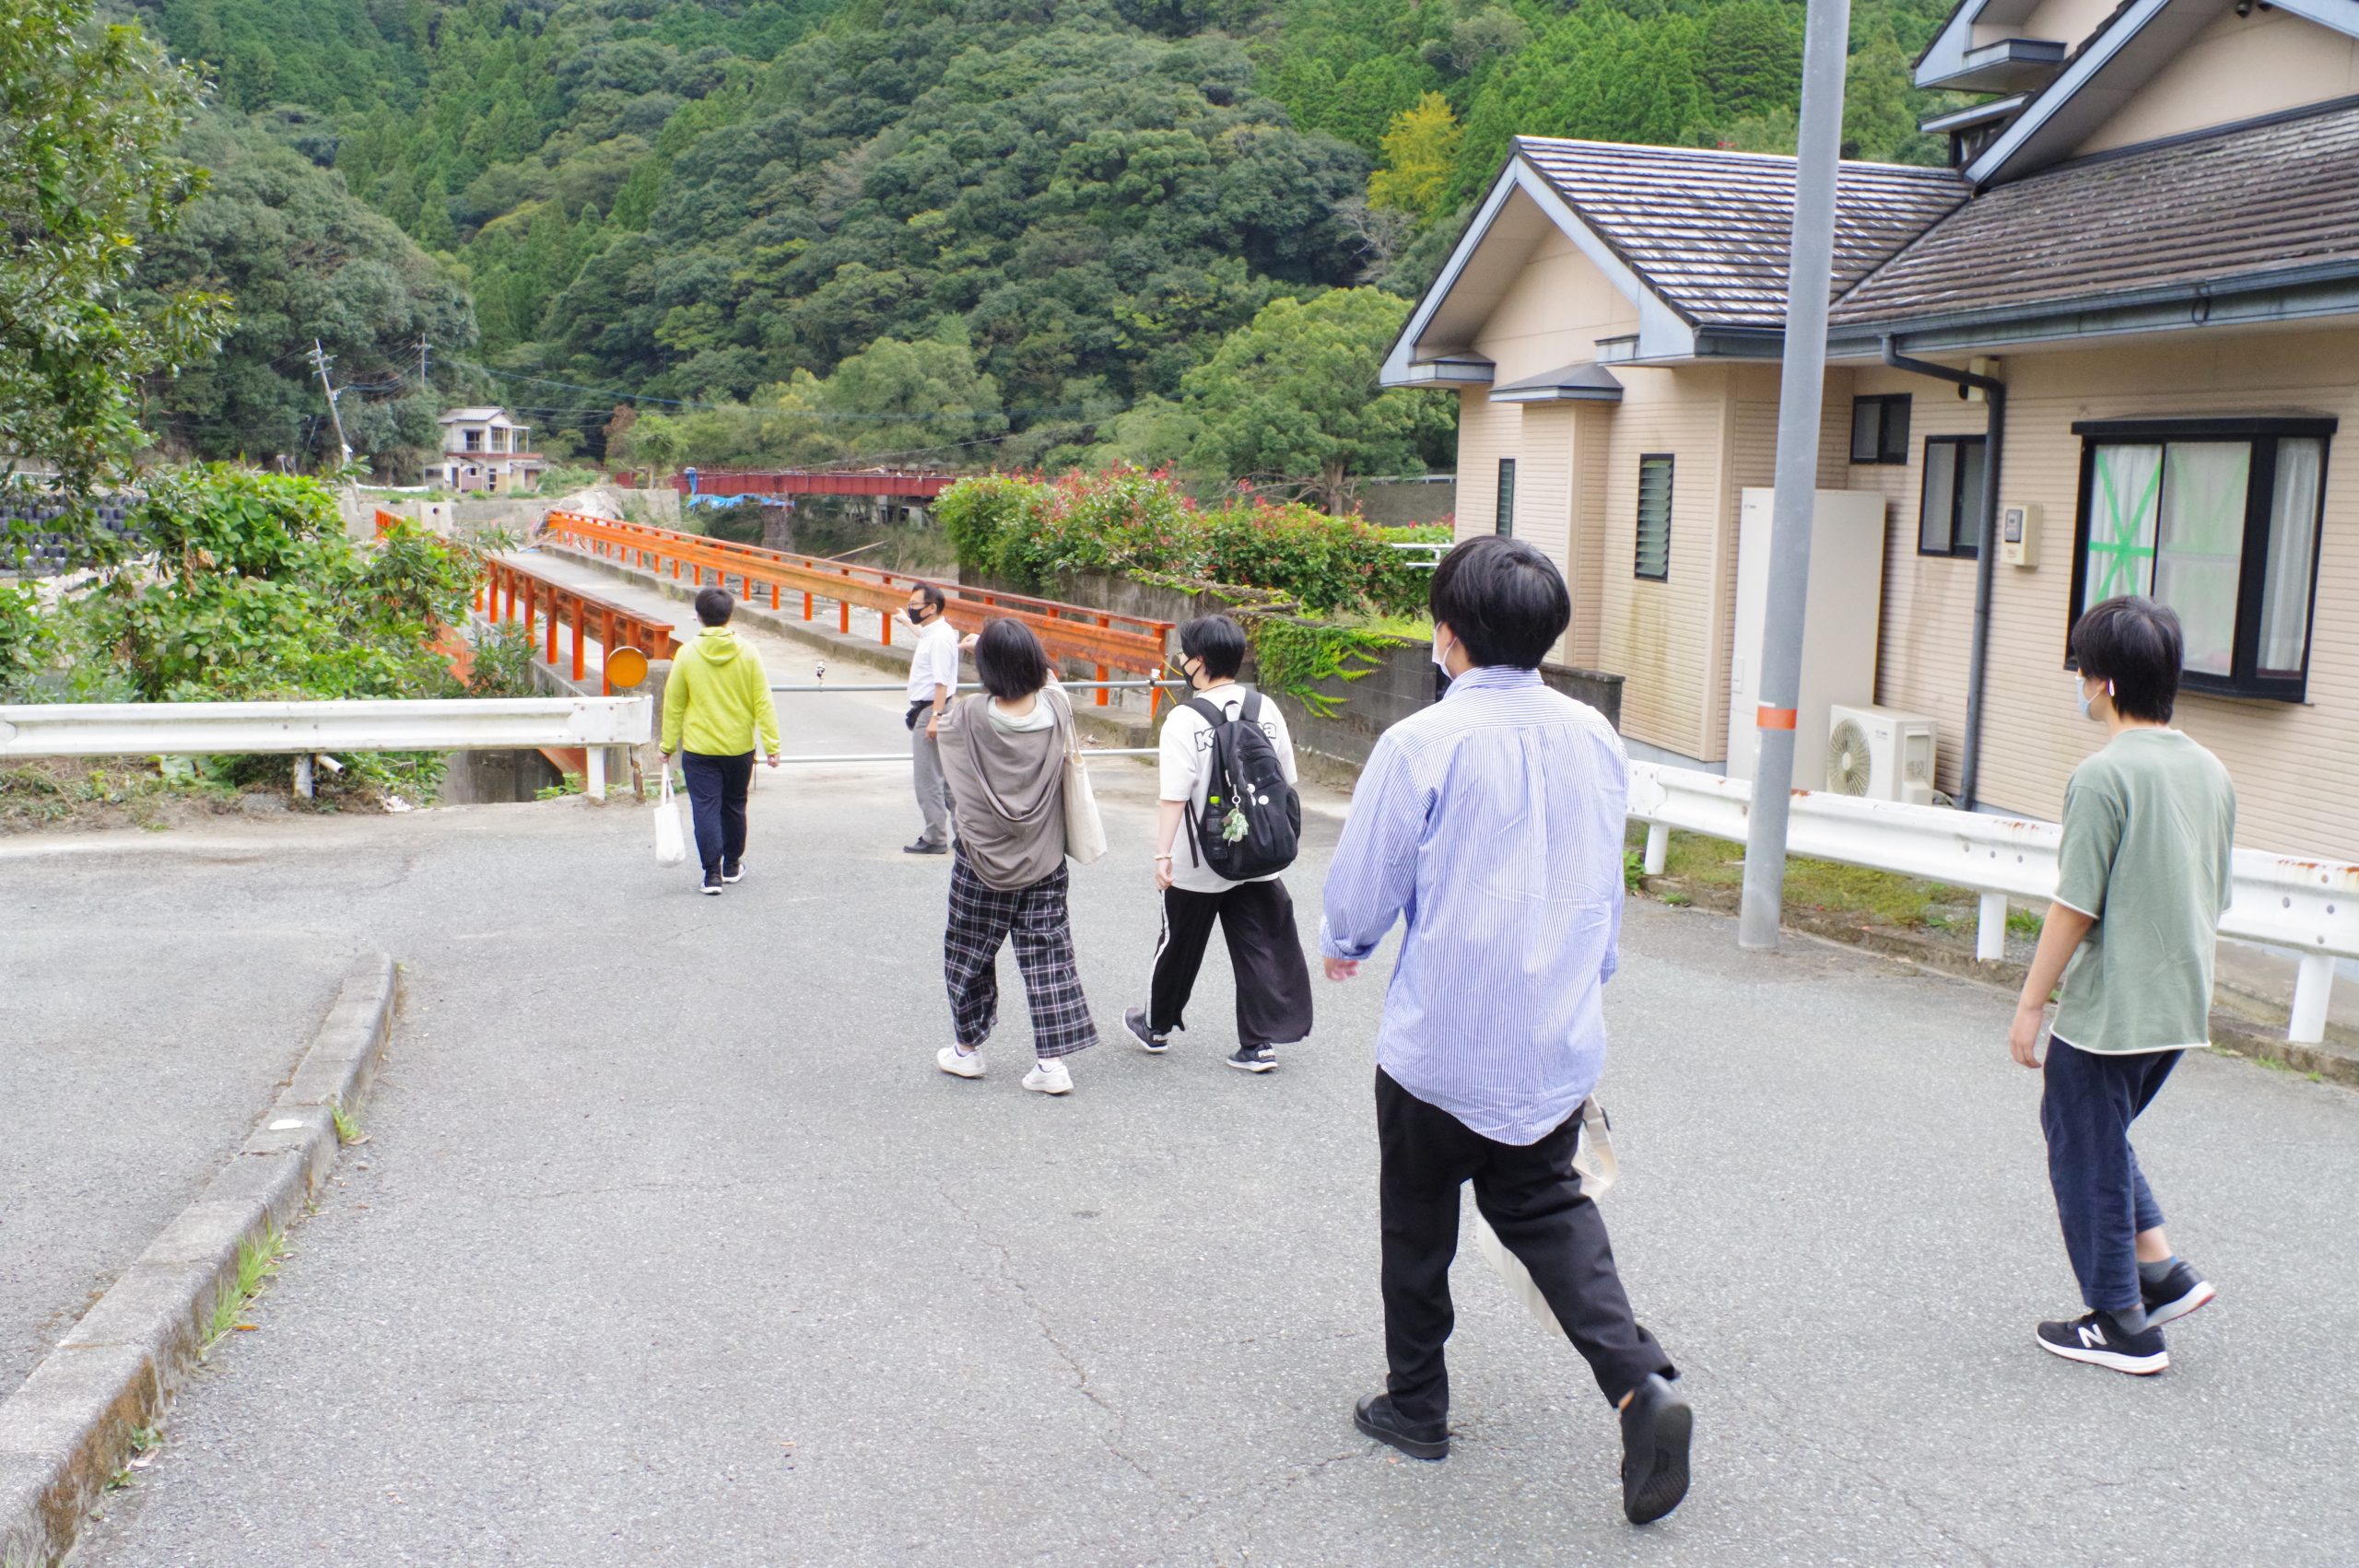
x,y
2151,244
482,448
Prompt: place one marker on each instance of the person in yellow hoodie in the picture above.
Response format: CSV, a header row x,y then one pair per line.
x,y
715,706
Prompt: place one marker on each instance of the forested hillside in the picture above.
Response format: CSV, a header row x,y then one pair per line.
x,y
966,230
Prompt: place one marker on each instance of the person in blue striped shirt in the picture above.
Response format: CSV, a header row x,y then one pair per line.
x,y
1492,825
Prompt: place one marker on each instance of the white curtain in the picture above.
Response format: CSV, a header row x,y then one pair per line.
x,y
2199,550
2292,535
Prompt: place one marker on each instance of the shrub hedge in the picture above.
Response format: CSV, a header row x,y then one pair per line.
x,y
1028,530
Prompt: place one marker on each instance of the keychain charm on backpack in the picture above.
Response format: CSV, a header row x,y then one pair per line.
x,y
1251,824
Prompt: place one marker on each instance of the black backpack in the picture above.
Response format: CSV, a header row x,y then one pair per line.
x,y
1251,824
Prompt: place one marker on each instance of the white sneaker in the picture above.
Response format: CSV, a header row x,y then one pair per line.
x,y
960,1064
1049,1076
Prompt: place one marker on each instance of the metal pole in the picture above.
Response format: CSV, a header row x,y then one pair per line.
x,y
320,361
1801,392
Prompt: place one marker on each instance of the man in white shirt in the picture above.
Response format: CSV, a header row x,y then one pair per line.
x,y
1256,917
933,675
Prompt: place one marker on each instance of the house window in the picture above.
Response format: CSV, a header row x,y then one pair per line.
x,y
1880,428
1506,521
2219,520
475,441
1949,516
1654,516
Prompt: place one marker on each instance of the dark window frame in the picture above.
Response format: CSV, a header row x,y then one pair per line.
x,y
1960,549
1892,435
1503,523
1670,489
2244,679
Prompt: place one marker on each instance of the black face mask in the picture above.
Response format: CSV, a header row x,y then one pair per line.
x,y
916,615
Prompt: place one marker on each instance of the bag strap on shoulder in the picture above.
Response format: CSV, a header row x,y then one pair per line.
x,y
1209,711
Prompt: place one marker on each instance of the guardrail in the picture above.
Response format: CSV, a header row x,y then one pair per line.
x,y
1075,631
512,591
2310,906
309,730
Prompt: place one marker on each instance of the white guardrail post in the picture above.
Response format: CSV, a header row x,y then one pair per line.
x,y
2308,906
305,729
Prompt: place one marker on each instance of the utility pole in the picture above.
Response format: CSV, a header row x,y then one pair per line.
x,y
320,362
1801,395
424,385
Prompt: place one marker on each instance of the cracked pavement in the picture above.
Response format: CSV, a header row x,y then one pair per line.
x,y
670,1246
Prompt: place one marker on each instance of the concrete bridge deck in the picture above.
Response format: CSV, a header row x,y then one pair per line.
x,y
670,1246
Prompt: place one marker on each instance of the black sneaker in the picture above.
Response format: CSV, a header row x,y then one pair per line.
x,y
2181,1292
2098,1340
711,889
1135,1022
1376,1418
733,870
923,847
1254,1058
1656,1426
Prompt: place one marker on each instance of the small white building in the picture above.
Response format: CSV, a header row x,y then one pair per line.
x,y
484,449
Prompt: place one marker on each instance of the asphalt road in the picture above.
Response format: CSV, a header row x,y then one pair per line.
x,y
136,1054
670,1246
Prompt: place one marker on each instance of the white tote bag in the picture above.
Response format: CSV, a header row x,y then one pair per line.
x,y
1084,829
1595,1164
671,839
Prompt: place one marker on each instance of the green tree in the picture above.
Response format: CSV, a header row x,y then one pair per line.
x,y
1753,58
1877,124
1291,398
1420,153
87,119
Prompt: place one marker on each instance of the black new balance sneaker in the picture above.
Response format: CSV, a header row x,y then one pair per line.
x,y
2181,1292
2098,1340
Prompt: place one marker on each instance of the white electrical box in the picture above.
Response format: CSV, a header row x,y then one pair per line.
x,y
1840,621
2019,534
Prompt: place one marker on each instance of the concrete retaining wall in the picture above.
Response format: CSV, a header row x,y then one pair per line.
x,y
1401,683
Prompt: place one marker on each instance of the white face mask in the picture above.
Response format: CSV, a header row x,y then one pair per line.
x,y
2081,695
1441,658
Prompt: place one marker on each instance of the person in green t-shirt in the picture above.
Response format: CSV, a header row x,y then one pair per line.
x,y
2150,826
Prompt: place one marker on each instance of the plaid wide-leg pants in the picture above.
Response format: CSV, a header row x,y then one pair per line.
x,y
981,919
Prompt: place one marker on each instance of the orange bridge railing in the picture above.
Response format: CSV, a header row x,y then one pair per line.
x,y
1130,643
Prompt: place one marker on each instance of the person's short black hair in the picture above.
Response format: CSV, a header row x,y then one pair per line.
x,y
1217,641
1008,660
2134,646
934,595
1503,600
715,605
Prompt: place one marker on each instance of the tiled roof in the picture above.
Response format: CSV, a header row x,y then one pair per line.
x,y
2241,202
1708,230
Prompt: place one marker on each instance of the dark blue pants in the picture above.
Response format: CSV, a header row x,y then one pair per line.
x,y
717,787
2101,1196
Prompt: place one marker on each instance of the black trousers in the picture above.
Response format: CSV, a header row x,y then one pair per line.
x,y
1534,1201
717,787
1272,977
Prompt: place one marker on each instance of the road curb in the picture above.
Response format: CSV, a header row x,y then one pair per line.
x,y
67,1430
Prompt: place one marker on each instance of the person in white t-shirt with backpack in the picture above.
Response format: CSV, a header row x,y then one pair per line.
x,y
1229,825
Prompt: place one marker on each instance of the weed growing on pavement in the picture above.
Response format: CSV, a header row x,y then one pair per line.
x,y
567,784
1634,870
347,1125
257,1265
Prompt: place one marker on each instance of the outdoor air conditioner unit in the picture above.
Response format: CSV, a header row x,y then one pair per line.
x,y
1880,754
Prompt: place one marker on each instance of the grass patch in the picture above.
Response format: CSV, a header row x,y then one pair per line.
x,y
347,1125
1873,897
43,793
257,1266
567,784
